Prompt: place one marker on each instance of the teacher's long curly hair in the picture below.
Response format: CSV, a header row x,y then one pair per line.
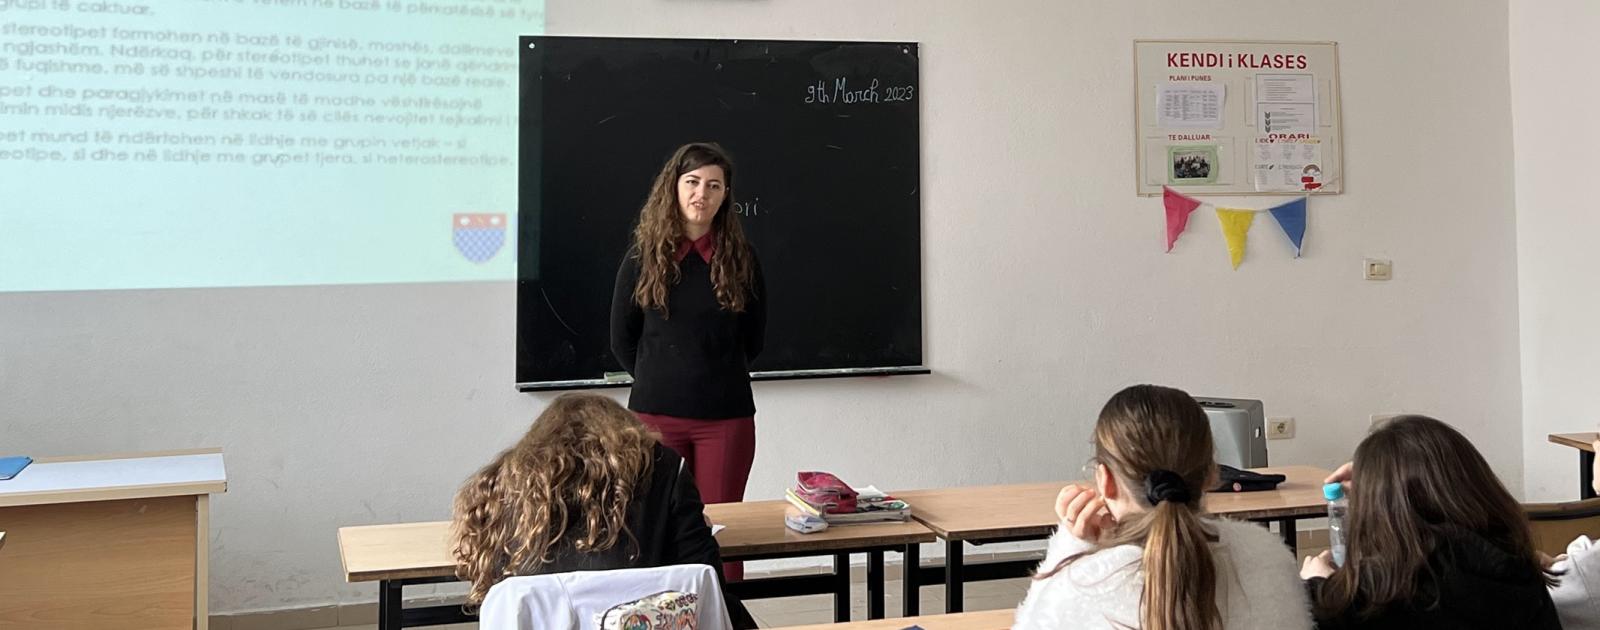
x,y
565,486
660,230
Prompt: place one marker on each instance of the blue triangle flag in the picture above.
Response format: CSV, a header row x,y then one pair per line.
x,y
1291,217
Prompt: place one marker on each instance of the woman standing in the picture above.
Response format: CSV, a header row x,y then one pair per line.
x,y
688,315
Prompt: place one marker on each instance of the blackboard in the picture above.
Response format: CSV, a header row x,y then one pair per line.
x,y
824,138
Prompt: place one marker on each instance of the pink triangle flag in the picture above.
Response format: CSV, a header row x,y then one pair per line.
x,y
1179,206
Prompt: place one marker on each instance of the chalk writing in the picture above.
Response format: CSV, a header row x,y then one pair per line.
x,y
842,91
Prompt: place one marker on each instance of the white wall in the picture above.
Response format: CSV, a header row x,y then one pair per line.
x,y
1046,290
1552,45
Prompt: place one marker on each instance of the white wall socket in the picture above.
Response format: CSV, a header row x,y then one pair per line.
x,y
1377,269
1379,418
1280,428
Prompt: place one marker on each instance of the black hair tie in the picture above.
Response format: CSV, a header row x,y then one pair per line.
x,y
1165,485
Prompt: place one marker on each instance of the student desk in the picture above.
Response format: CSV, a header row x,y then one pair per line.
x,y
986,620
108,542
1584,442
419,553
988,514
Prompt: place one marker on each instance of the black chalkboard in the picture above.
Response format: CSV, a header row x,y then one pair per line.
x,y
824,137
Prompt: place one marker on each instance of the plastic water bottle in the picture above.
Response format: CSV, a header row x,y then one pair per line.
x,y
1338,507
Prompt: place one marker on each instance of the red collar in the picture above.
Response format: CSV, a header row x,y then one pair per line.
x,y
706,245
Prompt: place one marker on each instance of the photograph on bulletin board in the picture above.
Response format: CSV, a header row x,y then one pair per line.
x,y
1237,117
1191,164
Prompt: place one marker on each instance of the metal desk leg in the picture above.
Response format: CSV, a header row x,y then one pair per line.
x,y
1586,474
841,587
390,612
1287,528
875,584
912,605
953,585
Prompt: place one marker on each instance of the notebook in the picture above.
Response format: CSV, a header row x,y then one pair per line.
x,y
10,466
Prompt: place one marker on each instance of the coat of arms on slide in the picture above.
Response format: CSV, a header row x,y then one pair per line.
x,y
478,236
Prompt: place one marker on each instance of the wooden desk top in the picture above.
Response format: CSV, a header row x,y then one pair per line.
x,y
984,620
1580,441
985,512
106,478
419,550
756,528
397,551
1298,496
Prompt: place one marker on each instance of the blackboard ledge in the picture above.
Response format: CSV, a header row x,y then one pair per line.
x,y
784,375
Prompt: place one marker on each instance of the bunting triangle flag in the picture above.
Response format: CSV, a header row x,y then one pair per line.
x,y
1179,206
1291,217
1235,224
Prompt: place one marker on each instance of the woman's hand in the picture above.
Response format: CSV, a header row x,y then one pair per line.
x,y
1546,560
1083,512
1342,474
1320,565
1064,498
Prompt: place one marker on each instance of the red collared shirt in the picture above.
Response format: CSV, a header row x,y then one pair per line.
x,y
706,245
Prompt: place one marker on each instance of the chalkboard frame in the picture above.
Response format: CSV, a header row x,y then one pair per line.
x,y
532,134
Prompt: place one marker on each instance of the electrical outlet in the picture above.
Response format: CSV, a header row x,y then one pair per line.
x,y
1280,428
1377,269
1380,418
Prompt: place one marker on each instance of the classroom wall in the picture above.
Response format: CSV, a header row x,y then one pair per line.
x,y
1551,43
1046,290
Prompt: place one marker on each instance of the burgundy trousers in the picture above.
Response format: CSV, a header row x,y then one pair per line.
x,y
719,454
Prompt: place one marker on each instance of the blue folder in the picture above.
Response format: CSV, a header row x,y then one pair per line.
x,y
10,466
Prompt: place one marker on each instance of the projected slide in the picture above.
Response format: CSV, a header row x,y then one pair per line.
x,y
224,143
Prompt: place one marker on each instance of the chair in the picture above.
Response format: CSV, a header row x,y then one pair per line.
x,y
1556,524
684,596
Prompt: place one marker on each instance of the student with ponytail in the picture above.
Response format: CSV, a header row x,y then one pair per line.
x,y
1136,551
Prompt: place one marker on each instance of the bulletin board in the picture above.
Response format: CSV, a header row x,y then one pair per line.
x,y
1219,117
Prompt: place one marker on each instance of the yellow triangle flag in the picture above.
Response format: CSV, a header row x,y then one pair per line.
x,y
1235,223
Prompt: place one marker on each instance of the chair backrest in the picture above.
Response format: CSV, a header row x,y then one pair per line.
x,y
1556,524
683,596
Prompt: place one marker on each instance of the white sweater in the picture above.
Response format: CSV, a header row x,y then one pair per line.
x,y
1577,598
1258,585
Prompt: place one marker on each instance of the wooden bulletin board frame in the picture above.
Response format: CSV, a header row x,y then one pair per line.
x,y
1237,117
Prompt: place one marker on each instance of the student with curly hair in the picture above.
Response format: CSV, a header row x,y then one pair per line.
x,y
588,488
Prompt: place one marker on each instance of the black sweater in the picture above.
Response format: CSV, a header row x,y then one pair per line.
x,y
694,362
667,519
665,516
1478,586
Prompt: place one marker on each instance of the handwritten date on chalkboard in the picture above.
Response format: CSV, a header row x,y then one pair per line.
x,y
841,91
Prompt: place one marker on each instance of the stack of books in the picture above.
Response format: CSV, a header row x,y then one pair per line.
x,y
871,506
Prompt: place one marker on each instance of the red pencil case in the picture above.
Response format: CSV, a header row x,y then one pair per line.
x,y
826,490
